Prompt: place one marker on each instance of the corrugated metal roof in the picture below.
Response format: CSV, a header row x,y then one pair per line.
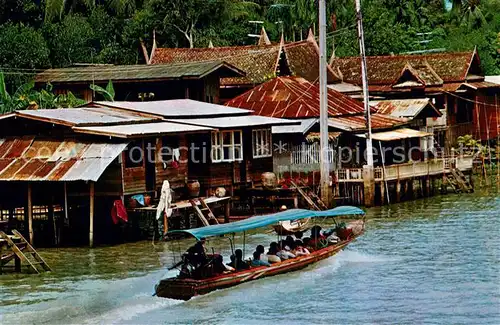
x,y
357,123
176,108
345,87
493,79
407,108
294,97
141,130
479,85
315,136
237,121
85,116
103,73
33,159
302,128
399,134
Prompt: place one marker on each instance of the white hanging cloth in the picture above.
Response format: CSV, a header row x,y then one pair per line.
x,y
165,201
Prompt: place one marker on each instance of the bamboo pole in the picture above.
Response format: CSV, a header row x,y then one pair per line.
x,y
30,214
91,214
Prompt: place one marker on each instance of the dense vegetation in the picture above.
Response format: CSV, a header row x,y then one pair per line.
x,y
37,34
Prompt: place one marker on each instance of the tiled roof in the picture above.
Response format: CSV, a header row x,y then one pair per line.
x,y
137,72
303,61
383,70
294,97
260,62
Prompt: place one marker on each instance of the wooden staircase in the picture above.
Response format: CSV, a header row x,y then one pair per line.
x,y
308,194
25,252
204,213
462,182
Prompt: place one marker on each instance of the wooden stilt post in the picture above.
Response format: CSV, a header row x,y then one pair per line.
x,y
227,211
398,191
65,201
30,214
50,213
91,214
382,192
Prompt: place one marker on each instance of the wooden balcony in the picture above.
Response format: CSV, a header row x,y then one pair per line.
x,y
390,173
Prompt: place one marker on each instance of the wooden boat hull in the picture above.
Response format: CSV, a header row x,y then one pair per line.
x,y
185,289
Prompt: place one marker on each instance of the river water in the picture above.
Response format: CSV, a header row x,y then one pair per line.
x,y
432,261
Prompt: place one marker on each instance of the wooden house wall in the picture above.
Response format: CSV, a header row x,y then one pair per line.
x,y
134,178
176,176
486,116
227,174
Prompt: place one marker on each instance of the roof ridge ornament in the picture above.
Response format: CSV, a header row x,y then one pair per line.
x,y
263,39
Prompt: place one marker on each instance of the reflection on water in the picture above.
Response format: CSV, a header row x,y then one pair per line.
x,y
429,261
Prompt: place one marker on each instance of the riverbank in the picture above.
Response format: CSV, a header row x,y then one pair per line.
x,y
434,260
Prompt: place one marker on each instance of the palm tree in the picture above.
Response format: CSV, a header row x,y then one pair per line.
x,y
472,14
469,12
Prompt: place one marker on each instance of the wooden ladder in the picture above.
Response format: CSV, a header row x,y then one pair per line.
x,y
462,181
30,255
451,181
311,198
205,214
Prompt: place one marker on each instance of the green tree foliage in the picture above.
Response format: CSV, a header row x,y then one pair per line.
x,y
27,97
108,93
58,33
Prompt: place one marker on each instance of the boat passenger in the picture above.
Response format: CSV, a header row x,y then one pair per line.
x,y
289,241
219,267
263,256
300,250
299,234
257,261
271,253
318,240
196,254
239,263
284,251
307,244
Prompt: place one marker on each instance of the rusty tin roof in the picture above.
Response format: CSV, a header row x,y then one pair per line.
x,y
407,108
37,159
357,122
294,97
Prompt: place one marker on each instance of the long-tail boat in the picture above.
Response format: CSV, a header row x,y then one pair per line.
x,y
184,288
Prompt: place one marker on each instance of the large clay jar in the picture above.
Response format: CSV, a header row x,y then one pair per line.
x,y
268,180
220,192
193,187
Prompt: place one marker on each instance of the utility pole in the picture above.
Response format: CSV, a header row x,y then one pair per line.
x,y
323,116
368,174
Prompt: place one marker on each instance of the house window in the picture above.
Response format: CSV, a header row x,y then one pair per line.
x,y
134,155
227,146
261,143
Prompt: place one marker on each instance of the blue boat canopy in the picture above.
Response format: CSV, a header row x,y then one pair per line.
x,y
266,220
